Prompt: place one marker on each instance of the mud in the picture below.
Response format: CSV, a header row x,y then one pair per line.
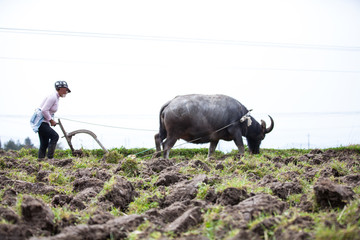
x,y
178,211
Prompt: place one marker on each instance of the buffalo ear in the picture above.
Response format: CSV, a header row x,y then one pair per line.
x,y
263,125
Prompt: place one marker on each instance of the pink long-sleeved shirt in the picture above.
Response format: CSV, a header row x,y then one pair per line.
x,y
49,106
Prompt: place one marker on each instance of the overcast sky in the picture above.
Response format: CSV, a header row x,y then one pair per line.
x,y
130,57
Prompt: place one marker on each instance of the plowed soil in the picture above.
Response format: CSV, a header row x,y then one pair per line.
x,y
275,195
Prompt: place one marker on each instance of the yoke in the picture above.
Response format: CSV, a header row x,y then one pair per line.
x,y
68,136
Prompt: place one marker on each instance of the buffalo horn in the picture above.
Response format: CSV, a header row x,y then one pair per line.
x,y
269,129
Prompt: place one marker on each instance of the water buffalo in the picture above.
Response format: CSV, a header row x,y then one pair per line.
x,y
200,118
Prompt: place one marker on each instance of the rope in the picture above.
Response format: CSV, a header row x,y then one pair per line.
x,y
108,126
218,130
139,129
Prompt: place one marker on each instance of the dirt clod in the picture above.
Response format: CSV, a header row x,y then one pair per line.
x,y
283,190
232,196
330,194
38,214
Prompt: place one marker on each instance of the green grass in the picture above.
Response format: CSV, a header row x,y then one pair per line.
x,y
59,178
18,204
340,167
22,176
108,186
323,232
130,167
203,189
142,203
212,223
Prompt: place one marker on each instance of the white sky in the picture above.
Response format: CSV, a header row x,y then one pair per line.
x,y
130,57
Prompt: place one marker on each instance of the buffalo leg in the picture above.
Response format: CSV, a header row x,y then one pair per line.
x,y
212,148
240,145
238,141
158,145
168,144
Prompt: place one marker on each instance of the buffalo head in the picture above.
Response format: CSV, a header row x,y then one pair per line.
x,y
256,133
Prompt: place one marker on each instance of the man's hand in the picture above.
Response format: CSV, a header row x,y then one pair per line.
x,y
53,123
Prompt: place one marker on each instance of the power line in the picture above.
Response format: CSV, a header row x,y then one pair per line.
x,y
241,68
179,39
53,60
298,70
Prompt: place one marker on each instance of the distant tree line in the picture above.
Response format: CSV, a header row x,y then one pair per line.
x,y
11,145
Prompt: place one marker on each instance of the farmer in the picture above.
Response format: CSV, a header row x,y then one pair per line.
x,y
43,118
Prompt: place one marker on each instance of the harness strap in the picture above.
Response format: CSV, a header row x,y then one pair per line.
x,y
247,118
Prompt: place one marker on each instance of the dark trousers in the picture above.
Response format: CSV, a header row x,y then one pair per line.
x,y
48,139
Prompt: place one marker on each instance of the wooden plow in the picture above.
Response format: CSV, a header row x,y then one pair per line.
x,y
68,137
